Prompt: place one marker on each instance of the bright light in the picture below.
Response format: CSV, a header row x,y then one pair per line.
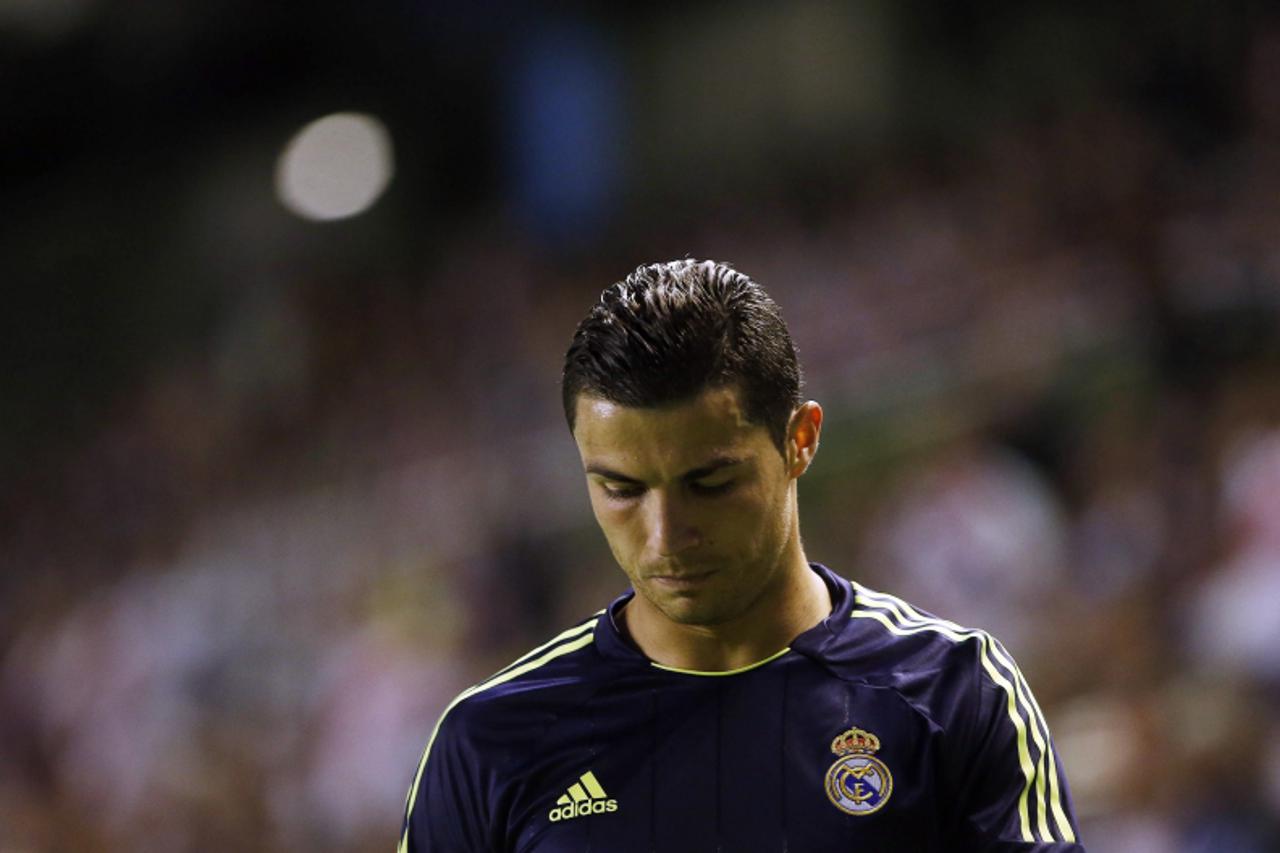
x,y
335,167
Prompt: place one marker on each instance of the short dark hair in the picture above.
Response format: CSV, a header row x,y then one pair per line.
x,y
667,332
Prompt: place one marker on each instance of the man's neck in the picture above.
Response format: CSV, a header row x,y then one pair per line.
x,y
799,601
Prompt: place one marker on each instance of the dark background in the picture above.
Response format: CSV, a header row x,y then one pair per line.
x,y
272,490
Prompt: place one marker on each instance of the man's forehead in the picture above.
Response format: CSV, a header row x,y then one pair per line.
x,y
716,408
712,424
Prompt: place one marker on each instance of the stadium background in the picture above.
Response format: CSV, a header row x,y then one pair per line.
x,y
273,489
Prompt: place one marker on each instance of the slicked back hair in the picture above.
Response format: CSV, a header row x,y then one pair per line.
x,y
667,332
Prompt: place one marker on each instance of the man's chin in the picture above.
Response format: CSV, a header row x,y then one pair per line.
x,y
689,608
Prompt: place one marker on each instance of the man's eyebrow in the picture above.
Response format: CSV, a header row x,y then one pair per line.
x,y
698,473
610,474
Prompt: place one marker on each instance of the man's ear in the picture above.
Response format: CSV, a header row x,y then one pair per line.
x,y
802,437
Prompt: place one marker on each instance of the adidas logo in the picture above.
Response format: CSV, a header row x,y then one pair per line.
x,y
584,797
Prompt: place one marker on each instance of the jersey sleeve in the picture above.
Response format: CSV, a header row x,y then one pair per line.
x,y
1011,791
446,809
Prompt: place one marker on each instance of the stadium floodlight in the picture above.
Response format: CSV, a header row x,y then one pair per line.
x,y
335,167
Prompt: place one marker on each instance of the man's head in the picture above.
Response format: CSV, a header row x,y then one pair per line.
x,y
681,391
668,332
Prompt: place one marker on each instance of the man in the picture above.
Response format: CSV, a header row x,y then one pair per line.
x,y
738,698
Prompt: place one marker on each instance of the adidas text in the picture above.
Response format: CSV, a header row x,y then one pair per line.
x,y
582,809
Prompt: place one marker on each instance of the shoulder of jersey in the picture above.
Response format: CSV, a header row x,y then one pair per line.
x,y
514,698
933,662
887,634
562,663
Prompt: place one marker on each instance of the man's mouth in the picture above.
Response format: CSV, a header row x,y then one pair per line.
x,y
682,580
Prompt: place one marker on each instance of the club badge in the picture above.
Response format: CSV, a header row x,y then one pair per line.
x,y
858,783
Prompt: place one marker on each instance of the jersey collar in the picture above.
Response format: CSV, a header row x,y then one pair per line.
x,y
613,645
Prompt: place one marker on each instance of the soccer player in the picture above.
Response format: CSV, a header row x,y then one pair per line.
x,y
737,698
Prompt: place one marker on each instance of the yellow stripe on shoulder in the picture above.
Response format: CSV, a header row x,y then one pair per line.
x,y
903,619
1040,727
564,643
586,626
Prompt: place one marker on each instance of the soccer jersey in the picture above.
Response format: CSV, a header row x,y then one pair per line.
x,y
882,728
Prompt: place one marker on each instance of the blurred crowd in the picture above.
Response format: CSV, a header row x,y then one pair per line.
x,y
1052,378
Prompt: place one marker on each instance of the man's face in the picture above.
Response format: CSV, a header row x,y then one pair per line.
x,y
697,504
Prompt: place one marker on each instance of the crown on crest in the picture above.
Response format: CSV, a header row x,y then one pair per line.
x,y
855,740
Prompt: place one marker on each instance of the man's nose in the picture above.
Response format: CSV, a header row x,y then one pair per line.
x,y
672,528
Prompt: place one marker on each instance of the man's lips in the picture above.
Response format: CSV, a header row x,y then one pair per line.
x,y
682,580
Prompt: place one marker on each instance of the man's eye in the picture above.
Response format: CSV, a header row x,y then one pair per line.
x,y
711,488
621,492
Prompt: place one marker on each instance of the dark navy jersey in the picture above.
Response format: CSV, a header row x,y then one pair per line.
x,y
881,729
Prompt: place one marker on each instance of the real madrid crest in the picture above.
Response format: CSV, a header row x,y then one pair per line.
x,y
858,783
